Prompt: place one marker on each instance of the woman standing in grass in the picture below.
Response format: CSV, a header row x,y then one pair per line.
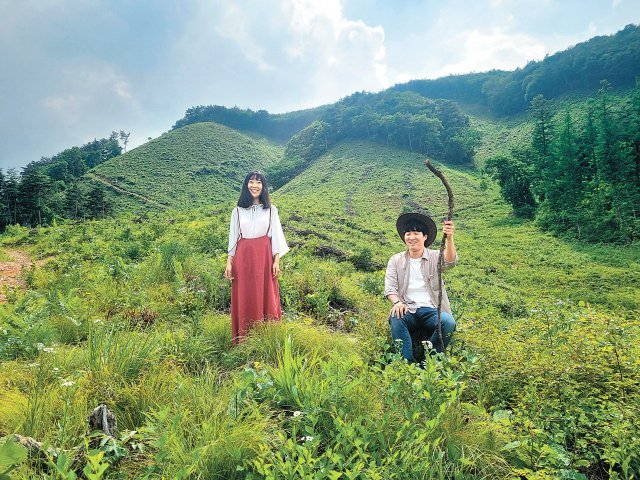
x,y
256,244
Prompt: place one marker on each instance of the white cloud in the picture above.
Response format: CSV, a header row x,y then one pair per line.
x,y
493,49
344,55
67,108
233,25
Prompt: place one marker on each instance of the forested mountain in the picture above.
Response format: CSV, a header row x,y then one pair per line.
x,y
436,128
278,127
577,70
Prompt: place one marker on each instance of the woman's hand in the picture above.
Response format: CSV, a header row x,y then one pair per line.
x,y
398,310
275,268
228,271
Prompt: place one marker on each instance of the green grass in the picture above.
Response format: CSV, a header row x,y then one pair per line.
x,y
193,166
540,381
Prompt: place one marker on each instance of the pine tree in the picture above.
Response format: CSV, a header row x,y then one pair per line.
x,y
35,197
97,204
10,195
75,200
541,145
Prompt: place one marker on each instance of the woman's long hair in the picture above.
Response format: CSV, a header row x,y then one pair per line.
x,y
246,199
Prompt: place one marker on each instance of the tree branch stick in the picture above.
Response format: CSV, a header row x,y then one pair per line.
x,y
442,178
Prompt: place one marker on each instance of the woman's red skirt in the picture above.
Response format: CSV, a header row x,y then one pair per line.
x,y
255,295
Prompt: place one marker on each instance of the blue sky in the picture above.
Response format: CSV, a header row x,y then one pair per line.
x,y
75,70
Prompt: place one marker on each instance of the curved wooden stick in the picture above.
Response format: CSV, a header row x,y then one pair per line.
x,y
439,174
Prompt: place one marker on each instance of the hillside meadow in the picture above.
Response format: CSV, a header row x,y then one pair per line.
x,y
540,381
197,165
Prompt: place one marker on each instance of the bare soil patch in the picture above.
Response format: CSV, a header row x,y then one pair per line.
x,y
10,272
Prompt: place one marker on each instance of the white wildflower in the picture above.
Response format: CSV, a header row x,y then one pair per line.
x,y
40,346
307,438
68,383
33,365
48,349
297,413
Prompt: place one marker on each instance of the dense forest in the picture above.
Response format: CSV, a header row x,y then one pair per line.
x,y
278,127
581,175
436,128
53,188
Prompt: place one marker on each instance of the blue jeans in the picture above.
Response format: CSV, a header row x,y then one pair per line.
x,y
424,319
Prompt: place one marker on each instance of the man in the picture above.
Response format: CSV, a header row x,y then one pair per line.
x,y
411,284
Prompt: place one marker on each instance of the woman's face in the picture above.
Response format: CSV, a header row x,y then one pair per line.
x,y
255,188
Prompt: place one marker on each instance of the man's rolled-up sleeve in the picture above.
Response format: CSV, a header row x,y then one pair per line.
x,y
448,265
391,278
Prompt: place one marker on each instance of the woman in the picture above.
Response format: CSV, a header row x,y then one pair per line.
x,y
256,244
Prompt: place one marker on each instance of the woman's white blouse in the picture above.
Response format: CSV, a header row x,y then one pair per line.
x,y
254,223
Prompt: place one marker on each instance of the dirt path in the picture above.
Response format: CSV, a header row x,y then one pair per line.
x,y
10,271
107,183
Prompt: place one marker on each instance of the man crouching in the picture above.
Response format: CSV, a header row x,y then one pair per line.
x,y
411,284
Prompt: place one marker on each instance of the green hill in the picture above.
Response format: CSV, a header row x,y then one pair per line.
x,y
196,165
539,383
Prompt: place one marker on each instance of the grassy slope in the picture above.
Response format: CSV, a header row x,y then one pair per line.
x,y
511,279
192,166
348,200
354,194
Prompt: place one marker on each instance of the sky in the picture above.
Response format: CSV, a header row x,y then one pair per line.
x,y
75,70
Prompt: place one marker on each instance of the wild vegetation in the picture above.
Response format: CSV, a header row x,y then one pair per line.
x,y
131,311
200,164
52,188
578,176
539,382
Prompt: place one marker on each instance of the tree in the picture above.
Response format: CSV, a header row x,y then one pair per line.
x,y
98,206
10,195
514,177
124,138
541,144
35,197
75,200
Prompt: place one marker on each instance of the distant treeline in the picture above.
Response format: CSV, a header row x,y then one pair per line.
x,y
579,176
575,70
52,187
278,127
435,128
